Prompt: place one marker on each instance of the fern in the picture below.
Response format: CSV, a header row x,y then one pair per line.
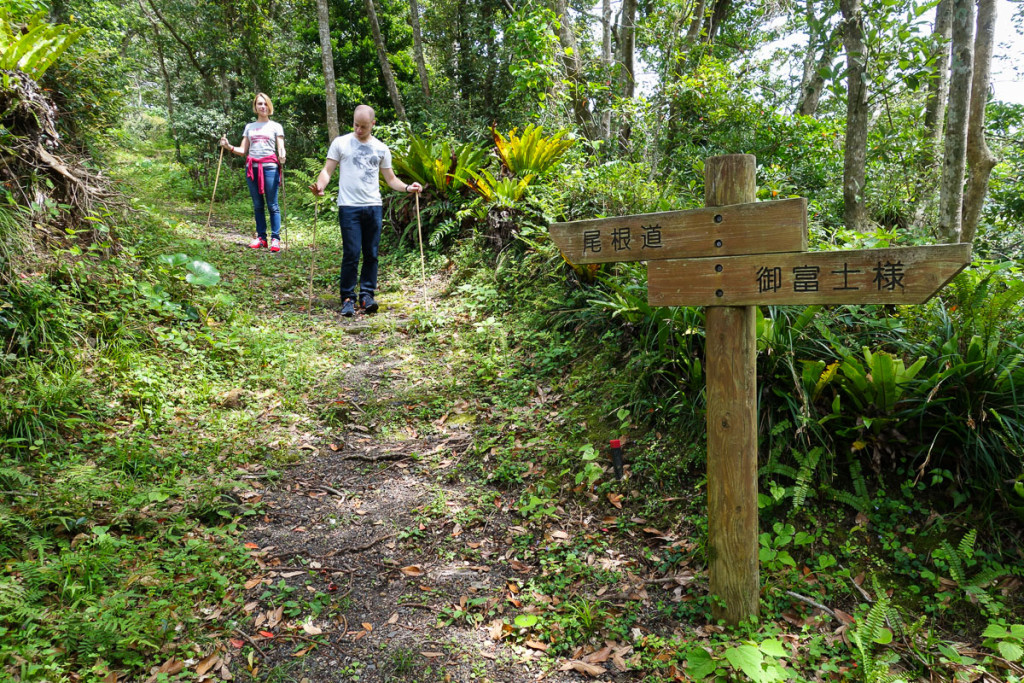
x,y
870,632
808,464
859,500
959,560
33,48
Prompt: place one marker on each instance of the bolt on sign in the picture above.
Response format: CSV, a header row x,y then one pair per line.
x,y
731,256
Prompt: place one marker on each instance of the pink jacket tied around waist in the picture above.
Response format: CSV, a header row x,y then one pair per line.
x,y
249,161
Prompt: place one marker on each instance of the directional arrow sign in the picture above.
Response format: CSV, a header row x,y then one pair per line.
x,y
755,228
900,275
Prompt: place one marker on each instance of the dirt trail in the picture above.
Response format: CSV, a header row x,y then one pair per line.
x,y
373,524
367,544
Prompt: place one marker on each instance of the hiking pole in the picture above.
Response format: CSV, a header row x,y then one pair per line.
x,y
423,263
216,180
284,225
312,263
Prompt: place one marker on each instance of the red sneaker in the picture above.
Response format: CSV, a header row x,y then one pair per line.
x,y
258,243
275,244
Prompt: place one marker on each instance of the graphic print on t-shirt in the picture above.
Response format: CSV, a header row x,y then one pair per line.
x,y
365,160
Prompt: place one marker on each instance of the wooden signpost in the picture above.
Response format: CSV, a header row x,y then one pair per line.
x,y
730,257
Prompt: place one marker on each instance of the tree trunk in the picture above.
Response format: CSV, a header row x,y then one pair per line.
x,y
855,156
813,82
627,57
327,57
954,161
417,44
385,66
606,55
938,83
934,114
719,11
573,69
696,22
979,155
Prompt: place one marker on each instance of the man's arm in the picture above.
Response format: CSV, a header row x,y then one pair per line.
x,y
398,185
324,177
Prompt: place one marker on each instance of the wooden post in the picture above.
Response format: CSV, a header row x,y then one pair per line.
x,y
731,357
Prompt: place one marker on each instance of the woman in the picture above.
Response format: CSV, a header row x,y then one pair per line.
x,y
263,147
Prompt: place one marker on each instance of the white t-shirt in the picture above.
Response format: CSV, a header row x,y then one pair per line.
x,y
359,165
262,140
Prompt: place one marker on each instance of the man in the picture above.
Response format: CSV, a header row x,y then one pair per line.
x,y
360,157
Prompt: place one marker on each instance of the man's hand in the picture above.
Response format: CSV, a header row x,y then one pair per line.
x,y
317,190
414,187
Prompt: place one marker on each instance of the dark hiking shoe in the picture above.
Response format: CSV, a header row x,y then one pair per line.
x,y
369,304
348,308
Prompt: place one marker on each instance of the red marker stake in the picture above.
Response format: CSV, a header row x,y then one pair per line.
x,y
617,457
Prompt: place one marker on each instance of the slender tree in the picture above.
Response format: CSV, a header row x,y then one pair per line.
x,y
938,82
979,156
934,113
627,57
606,56
819,37
385,66
417,43
954,161
327,57
573,68
855,154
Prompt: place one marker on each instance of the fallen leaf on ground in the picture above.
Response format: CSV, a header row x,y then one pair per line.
x,y
207,663
536,645
253,582
312,630
582,667
266,634
393,619
432,655
368,626
520,567
845,618
412,570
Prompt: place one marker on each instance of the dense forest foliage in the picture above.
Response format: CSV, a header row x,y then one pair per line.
x,y
891,438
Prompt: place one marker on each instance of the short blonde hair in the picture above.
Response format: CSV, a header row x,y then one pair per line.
x,y
270,105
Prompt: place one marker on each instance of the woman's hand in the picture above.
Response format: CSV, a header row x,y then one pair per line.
x,y
225,144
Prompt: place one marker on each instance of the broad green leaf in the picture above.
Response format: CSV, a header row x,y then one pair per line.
x,y
526,620
172,260
747,659
1010,651
202,273
773,648
884,637
699,664
995,631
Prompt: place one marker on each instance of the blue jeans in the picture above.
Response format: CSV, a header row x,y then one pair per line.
x,y
271,182
360,233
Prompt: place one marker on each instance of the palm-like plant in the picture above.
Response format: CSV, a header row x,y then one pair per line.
x,y
531,153
440,165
